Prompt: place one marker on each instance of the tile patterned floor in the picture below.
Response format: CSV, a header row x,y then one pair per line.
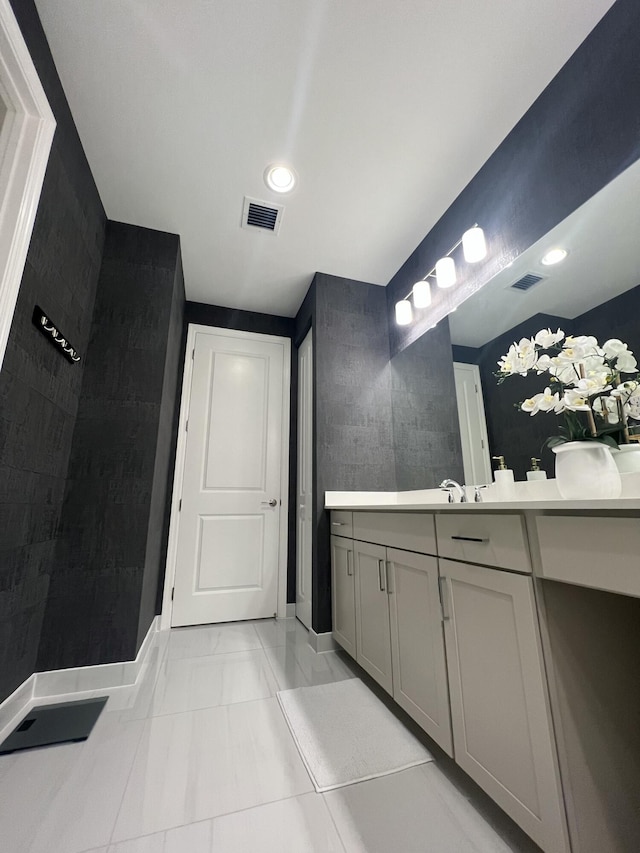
x,y
197,758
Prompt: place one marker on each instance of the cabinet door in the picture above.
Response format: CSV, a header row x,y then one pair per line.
x,y
373,634
502,730
417,644
343,600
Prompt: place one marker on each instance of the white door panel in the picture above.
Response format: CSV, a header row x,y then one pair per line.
x,y
228,534
305,481
473,424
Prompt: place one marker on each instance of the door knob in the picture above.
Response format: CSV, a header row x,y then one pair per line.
x,y
270,502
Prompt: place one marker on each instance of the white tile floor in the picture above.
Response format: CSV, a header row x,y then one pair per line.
x,y
197,758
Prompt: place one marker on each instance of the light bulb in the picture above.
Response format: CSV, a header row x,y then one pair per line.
x,y
279,178
404,314
422,294
554,256
474,246
446,272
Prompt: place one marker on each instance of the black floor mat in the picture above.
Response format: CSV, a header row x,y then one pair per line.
x,y
50,724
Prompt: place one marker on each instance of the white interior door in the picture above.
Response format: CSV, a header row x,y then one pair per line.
x,y
305,481
229,523
473,424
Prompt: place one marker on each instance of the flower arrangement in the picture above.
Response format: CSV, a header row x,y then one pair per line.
x,y
596,388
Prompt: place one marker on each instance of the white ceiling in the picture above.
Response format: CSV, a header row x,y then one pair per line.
x,y
601,237
385,108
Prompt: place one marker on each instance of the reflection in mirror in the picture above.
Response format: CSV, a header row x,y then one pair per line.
x,y
595,290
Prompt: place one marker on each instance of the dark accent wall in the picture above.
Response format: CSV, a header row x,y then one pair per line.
x,y
426,436
108,560
264,324
379,424
580,133
353,439
39,389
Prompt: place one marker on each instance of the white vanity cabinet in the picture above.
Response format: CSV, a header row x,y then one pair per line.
x,y
373,628
399,637
502,731
343,600
417,643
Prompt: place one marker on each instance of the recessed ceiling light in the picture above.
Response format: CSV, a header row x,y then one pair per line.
x,y
279,178
554,256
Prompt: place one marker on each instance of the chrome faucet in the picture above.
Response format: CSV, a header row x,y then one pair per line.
x,y
447,485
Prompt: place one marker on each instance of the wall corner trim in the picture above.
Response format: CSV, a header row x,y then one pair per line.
x,y
26,135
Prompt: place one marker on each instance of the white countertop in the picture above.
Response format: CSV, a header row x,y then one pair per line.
x,y
538,495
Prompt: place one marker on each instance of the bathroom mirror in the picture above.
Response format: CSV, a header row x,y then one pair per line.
x,y
595,290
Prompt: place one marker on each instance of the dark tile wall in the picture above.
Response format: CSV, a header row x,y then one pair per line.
x,y
581,132
264,324
425,416
108,557
39,389
353,439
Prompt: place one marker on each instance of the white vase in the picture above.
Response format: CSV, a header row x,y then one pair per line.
x,y
627,458
586,470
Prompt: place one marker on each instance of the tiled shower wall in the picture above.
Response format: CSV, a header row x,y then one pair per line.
x,y
39,389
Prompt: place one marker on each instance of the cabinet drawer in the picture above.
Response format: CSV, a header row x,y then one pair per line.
x,y
598,552
341,522
409,531
494,540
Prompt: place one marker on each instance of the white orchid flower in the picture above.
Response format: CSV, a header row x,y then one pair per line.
x,y
577,348
546,338
592,385
575,401
613,347
626,362
532,405
550,402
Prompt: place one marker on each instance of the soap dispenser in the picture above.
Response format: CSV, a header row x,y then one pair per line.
x,y
535,473
503,477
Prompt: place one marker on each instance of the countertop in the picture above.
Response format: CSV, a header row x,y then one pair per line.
x,y
539,495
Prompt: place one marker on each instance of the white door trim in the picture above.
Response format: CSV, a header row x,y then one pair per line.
x,y
172,547
25,141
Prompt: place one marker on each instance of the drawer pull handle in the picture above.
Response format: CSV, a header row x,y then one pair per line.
x,y
381,573
469,539
442,585
338,524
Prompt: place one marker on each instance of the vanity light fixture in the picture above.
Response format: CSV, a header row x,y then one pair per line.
x,y
404,312
446,272
553,256
474,247
279,178
421,294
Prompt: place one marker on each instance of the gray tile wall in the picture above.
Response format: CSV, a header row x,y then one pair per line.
x,y
39,389
379,424
426,435
108,557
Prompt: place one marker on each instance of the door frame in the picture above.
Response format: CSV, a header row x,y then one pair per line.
x,y
172,545
26,135
299,466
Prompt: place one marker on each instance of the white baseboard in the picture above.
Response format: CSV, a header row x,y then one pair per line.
x,y
66,682
322,642
291,611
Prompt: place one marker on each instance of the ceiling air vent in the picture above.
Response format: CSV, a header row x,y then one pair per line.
x,y
262,215
526,282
